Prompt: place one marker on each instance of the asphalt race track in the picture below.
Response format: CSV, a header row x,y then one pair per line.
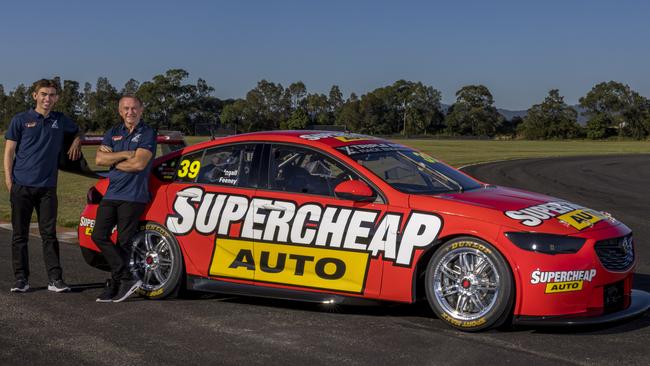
x,y
40,327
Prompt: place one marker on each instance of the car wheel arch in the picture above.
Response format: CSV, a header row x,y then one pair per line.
x,y
181,283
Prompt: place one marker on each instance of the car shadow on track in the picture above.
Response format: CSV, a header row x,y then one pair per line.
x,y
372,308
421,310
641,282
622,326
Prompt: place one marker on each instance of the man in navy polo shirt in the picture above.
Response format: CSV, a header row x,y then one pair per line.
x,y
128,150
34,142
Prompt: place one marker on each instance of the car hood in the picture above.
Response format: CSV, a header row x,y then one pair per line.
x,y
526,210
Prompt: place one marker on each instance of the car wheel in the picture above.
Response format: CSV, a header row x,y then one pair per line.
x,y
469,284
156,259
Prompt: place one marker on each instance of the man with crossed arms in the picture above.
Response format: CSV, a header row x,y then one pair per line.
x,y
128,150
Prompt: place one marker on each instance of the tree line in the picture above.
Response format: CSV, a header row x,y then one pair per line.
x,y
405,107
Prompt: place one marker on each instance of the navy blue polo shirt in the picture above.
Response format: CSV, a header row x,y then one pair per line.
x,y
39,141
125,186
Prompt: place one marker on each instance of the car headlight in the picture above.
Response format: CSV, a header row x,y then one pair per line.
x,y
546,243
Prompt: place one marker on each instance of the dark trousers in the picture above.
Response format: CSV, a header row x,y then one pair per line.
x,y
24,200
126,216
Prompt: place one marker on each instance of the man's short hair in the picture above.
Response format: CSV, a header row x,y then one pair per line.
x,y
131,96
46,83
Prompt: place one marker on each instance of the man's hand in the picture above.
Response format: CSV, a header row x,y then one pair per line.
x,y
106,157
75,149
8,163
106,149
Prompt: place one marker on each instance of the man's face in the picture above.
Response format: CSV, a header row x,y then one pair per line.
x,y
130,111
45,98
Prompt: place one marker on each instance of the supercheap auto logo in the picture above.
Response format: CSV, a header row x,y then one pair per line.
x,y
330,269
87,224
562,281
570,214
280,241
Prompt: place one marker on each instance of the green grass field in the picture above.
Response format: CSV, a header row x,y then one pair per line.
x,y
72,188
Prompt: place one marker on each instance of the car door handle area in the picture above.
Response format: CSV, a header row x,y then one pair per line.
x,y
274,207
186,194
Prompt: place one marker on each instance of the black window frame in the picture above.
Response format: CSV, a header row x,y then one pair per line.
x,y
254,179
264,173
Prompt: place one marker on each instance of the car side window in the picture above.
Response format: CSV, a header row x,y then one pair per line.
x,y
166,171
294,169
228,166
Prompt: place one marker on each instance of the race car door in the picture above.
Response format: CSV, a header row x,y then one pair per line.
x,y
311,239
208,204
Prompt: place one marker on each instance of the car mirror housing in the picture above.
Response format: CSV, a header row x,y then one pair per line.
x,y
355,190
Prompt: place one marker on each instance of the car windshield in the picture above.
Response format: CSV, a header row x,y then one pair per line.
x,y
411,171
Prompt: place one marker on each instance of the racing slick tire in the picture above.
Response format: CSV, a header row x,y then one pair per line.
x,y
469,284
156,259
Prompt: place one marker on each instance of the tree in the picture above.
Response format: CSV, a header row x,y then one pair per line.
x,y
18,100
613,108
3,108
70,100
265,107
296,92
130,87
551,119
204,108
171,104
422,109
232,115
317,109
473,113
298,120
334,103
101,105
350,115
167,101
335,99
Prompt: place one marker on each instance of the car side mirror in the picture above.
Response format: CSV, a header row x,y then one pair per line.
x,y
355,190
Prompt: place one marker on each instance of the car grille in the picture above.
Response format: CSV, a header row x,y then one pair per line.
x,y
616,254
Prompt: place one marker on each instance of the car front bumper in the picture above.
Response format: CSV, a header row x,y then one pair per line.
x,y
639,304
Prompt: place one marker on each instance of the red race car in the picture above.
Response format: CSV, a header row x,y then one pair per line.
x,y
335,217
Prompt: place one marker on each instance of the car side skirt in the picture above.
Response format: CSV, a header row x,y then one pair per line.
x,y
197,283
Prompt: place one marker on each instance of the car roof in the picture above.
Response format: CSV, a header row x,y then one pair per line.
x,y
331,139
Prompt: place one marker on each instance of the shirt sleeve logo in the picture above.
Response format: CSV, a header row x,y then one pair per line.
x,y
117,138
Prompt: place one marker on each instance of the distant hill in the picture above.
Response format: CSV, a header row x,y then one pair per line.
x,y
509,114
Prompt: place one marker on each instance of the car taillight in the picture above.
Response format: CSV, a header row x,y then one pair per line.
x,y
93,196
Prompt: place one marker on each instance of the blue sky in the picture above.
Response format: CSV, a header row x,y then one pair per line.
x,y
518,49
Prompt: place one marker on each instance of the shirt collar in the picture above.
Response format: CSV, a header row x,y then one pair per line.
x,y
32,113
138,128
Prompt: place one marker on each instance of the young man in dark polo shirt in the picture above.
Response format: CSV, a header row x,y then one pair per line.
x,y
128,150
34,141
